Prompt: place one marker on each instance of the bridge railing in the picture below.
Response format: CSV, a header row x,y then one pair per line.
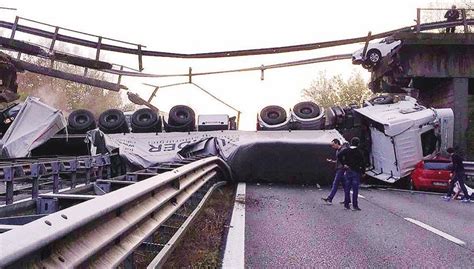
x,y
437,14
469,166
104,231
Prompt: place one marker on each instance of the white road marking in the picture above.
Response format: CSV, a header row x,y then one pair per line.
x,y
234,255
360,196
436,231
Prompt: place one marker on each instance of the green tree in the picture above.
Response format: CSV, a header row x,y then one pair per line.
x,y
330,91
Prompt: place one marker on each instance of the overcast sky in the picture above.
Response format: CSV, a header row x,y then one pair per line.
x,y
207,26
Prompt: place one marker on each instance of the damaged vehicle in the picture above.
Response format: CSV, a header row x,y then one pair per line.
x,y
375,52
401,133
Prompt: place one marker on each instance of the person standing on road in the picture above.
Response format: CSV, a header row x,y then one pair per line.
x,y
451,15
458,175
339,176
353,160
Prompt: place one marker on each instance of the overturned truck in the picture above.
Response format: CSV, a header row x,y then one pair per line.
x,y
395,131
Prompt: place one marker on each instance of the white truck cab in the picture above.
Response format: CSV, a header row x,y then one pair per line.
x,y
403,133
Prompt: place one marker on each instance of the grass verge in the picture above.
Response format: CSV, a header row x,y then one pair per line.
x,y
203,244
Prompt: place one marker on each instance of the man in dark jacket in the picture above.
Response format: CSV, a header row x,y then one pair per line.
x,y
353,160
458,174
451,15
339,177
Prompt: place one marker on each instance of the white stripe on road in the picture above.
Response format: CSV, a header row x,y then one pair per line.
x,y
436,231
360,196
234,255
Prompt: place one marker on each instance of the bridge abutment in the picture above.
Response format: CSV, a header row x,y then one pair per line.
x,y
441,69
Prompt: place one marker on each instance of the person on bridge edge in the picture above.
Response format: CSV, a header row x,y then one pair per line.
x,y
339,176
458,175
451,15
353,160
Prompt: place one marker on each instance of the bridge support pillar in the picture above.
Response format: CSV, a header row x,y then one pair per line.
x,y
459,87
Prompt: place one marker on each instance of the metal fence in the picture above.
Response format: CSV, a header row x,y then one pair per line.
x,y
28,173
469,166
105,230
437,14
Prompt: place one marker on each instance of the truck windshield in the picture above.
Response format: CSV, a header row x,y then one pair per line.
x,y
428,142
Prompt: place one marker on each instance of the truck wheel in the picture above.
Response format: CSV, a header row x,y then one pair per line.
x,y
145,120
306,110
339,116
381,100
113,121
273,115
181,115
80,121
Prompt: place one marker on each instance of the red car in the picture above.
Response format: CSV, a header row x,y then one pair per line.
x,y
431,175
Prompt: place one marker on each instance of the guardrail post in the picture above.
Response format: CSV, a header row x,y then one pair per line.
x,y
15,24
464,22
53,42
55,172
35,175
119,80
99,44
140,58
73,169
9,174
46,205
238,119
364,51
418,20
88,165
99,161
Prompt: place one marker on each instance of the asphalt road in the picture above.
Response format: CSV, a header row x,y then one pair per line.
x,y
289,226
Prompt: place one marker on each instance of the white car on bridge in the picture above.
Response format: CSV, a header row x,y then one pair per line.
x,y
375,52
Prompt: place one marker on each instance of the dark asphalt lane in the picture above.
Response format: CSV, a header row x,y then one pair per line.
x,y
454,217
289,226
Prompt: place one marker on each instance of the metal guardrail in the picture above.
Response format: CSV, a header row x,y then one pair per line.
x,y
32,170
469,167
104,231
463,12
249,52
168,249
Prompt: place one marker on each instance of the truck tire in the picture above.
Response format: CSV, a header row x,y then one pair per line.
x,y
381,100
273,115
80,121
181,115
307,110
169,128
348,118
339,115
145,120
113,121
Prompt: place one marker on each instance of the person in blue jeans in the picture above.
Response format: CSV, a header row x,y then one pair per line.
x,y
353,160
339,176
